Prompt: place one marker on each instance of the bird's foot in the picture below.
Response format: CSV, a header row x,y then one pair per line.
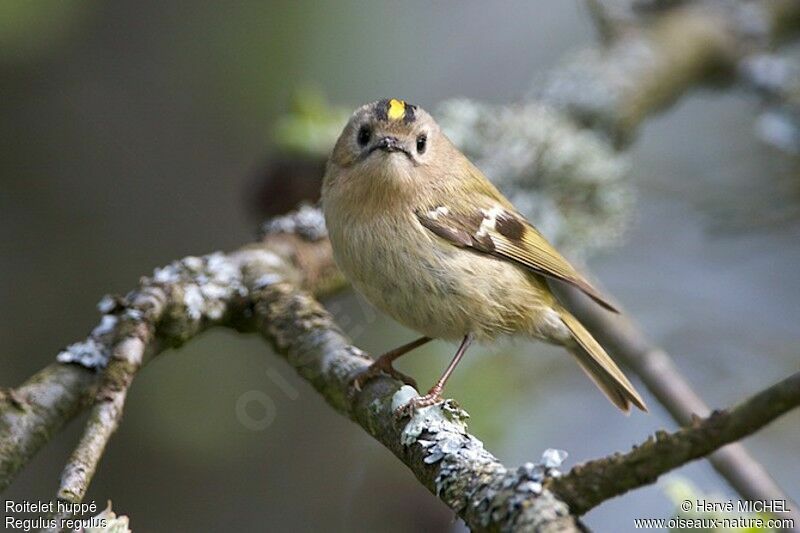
x,y
432,398
380,366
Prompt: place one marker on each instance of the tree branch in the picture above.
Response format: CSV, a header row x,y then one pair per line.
x,y
444,457
628,344
33,413
653,60
594,482
127,357
434,444
264,296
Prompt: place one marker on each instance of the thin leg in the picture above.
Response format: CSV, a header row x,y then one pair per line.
x,y
435,394
383,364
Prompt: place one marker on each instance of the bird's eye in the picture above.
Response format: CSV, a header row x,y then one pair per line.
x,y
364,134
422,143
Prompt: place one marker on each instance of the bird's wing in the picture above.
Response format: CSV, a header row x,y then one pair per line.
x,y
495,228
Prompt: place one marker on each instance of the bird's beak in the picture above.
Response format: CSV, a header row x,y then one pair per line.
x,y
389,144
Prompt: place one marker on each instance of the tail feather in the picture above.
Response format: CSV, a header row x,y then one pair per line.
x,y
600,367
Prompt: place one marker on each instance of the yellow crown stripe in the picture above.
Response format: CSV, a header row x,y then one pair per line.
x,y
397,109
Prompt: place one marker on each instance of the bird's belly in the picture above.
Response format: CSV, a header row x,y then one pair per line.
x,y
439,290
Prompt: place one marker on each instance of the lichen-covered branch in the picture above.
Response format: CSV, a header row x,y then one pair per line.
x,y
434,444
558,153
592,483
179,301
126,358
656,369
656,55
264,287
775,77
566,135
261,288
298,328
33,413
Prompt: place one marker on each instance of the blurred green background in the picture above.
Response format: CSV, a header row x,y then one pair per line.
x,y
131,135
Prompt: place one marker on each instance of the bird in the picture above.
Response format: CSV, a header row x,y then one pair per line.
x,y
425,237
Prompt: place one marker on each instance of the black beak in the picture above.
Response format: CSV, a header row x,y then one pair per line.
x,y
389,144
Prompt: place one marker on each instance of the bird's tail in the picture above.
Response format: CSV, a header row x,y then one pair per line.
x,y
600,367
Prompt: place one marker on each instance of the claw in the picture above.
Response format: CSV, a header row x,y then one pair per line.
x,y
432,398
377,368
383,364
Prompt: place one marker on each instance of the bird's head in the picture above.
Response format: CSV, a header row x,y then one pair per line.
x,y
388,139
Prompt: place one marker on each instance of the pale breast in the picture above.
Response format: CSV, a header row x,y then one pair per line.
x,y
431,286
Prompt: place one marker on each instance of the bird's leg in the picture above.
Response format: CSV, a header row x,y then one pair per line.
x,y
435,393
384,364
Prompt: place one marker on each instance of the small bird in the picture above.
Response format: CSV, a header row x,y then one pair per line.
x,y
427,239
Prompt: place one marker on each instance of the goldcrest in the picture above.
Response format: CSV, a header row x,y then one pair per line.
x,y
427,239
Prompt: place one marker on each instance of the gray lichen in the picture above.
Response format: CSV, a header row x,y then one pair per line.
x,y
307,221
776,79
440,419
202,288
469,478
89,353
200,291
592,84
552,458
94,351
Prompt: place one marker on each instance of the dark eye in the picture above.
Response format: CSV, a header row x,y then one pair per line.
x,y
364,134
422,143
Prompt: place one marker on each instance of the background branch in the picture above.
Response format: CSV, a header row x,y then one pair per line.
x,y
594,482
264,296
628,344
33,413
658,54
126,359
